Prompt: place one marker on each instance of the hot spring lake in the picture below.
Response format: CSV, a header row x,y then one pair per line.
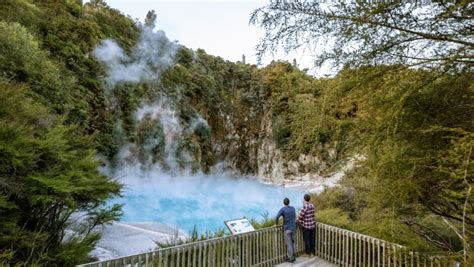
x,y
204,201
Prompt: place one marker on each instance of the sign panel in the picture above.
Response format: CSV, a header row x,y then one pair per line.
x,y
239,226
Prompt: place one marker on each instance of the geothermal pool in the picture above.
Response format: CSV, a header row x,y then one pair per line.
x,y
204,201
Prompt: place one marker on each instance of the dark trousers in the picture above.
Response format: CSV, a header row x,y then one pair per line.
x,y
309,240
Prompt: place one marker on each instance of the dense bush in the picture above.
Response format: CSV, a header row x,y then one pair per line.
x,y
48,172
411,129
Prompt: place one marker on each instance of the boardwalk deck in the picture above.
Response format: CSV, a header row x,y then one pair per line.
x,y
266,247
308,262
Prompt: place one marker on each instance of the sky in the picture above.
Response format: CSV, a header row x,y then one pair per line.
x,y
220,27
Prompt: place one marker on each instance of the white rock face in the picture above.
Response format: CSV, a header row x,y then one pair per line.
x,y
269,158
272,166
257,154
127,238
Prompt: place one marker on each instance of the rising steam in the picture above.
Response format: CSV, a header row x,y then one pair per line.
x,y
153,54
169,195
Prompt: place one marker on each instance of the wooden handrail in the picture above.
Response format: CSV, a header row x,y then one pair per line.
x,y
265,247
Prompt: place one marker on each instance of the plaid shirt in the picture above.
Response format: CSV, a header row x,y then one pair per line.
x,y
306,218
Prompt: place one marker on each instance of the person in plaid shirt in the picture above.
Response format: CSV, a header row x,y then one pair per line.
x,y
306,220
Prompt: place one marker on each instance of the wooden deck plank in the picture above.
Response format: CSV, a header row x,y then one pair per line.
x,y
307,262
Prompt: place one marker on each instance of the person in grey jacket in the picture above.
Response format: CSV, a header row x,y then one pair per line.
x,y
289,227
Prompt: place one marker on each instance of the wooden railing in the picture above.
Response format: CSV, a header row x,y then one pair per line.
x,y
347,248
265,247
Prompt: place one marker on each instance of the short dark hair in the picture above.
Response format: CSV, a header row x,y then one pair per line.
x,y
307,197
286,201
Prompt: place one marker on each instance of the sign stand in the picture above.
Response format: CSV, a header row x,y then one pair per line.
x,y
239,226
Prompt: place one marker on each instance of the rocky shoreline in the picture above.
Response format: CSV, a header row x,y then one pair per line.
x,y
127,238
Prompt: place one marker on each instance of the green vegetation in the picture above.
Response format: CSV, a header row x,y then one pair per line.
x,y
47,173
431,34
51,111
411,129
48,167
402,104
194,235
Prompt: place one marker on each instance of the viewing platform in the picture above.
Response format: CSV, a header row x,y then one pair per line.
x,y
307,262
265,247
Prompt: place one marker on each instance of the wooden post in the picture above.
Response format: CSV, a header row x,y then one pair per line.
x,y
383,253
359,250
247,251
184,257
365,251
320,242
220,253
351,249
338,247
331,241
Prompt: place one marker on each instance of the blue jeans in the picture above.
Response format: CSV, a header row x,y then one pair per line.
x,y
290,244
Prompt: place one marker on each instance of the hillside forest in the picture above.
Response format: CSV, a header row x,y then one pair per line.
x,y
400,105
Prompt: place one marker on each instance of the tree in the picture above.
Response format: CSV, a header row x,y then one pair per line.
x,y
48,173
23,60
383,32
150,19
412,129
417,150
97,4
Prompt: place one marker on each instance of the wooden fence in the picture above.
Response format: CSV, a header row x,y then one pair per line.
x,y
347,248
265,247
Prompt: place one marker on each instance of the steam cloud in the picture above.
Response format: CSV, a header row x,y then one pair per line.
x,y
165,112
176,197
152,55
196,199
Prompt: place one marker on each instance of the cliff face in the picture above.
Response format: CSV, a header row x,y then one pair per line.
x,y
258,155
176,108
250,113
206,113
269,158
257,127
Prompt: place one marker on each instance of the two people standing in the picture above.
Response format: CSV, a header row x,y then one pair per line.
x,y
307,222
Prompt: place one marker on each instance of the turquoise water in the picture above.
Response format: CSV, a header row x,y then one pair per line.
x,y
201,200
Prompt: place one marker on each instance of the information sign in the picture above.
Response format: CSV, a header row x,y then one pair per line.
x,y
239,226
